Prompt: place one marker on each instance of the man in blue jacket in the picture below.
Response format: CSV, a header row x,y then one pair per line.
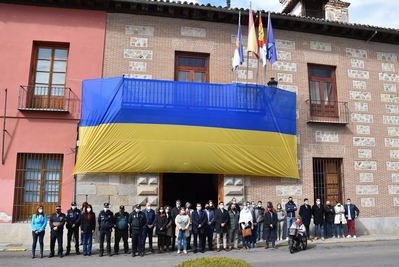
x,y
351,213
210,226
149,227
57,222
73,218
105,225
290,208
199,221
137,222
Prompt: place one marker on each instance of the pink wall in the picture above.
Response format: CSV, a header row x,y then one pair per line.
x,y
44,132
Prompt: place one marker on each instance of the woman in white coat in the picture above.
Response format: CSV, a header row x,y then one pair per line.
x,y
339,219
246,222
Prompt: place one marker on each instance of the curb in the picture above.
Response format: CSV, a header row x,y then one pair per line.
x,y
13,249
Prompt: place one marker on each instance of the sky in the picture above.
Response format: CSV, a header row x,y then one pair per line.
x,y
371,12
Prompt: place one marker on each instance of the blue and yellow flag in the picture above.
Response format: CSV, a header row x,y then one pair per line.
x,y
132,125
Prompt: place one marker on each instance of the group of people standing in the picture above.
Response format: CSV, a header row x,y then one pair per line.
x,y
188,228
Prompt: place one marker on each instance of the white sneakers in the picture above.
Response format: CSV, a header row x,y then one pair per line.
x,y
185,251
287,238
354,236
178,251
348,236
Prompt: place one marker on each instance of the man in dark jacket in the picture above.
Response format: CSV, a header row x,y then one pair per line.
x,y
329,215
121,229
137,222
233,226
73,218
270,226
318,219
210,225
198,221
57,222
290,208
351,213
105,225
174,212
305,211
149,227
222,219
260,217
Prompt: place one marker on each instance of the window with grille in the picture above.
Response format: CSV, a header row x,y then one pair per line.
x,y
191,67
327,179
38,181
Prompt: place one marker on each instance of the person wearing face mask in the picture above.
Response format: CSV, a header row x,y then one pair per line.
x,y
252,208
233,227
174,212
182,222
305,211
87,227
137,222
281,221
339,219
73,217
210,225
234,201
270,226
290,208
198,220
260,218
105,225
83,209
351,213
169,230
246,222
121,230
161,222
189,211
318,219
222,220
329,220
57,222
39,222
149,228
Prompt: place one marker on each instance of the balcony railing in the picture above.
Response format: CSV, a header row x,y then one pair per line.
x,y
44,98
321,111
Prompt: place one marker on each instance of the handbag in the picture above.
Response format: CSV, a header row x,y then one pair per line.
x,y
246,232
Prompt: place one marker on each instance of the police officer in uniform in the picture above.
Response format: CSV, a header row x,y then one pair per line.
x,y
73,218
137,221
57,222
105,224
121,229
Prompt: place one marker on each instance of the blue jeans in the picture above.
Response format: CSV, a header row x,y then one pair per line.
x,y
290,221
246,241
87,239
254,234
330,230
319,230
260,231
339,229
182,241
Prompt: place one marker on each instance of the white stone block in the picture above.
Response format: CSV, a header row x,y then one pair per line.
x,y
367,202
395,177
366,177
86,189
139,30
387,98
138,54
361,107
388,67
364,165
253,63
396,201
362,118
138,76
326,137
359,53
391,142
392,166
390,87
138,42
358,74
284,66
394,154
364,153
367,190
289,190
390,120
364,141
193,32
285,77
357,63
283,55
320,46
363,129
392,57
393,189
361,85
360,96
393,109
285,44
388,77
242,74
393,131
137,66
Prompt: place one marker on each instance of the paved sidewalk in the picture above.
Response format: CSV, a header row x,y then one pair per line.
x,y
367,238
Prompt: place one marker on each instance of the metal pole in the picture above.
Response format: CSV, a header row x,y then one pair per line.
x,y
4,129
247,65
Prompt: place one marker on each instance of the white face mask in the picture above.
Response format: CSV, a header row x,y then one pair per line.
x,y
198,208
105,209
40,211
88,209
318,202
221,206
137,210
74,207
148,208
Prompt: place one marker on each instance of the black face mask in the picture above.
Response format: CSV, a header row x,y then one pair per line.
x,y
58,211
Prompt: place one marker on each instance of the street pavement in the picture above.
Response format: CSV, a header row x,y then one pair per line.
x,y
325,254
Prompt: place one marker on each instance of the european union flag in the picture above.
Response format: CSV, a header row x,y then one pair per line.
x,y
271,45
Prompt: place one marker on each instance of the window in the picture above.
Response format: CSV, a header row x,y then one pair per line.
x,y
327,179
191,67
47,80
323,91
38,181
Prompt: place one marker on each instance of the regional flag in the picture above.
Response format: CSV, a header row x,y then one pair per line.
x,y
238,58
252,40
261,42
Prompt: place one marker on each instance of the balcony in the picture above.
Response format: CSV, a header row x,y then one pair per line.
x,y
44,98
320,111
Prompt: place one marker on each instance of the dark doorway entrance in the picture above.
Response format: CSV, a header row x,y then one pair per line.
x,y
189,187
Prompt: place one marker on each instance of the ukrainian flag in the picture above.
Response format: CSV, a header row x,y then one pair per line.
x,y
134,125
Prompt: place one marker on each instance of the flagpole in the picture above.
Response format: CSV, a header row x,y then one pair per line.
x,y
239,23
257,65
250,10
264,71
